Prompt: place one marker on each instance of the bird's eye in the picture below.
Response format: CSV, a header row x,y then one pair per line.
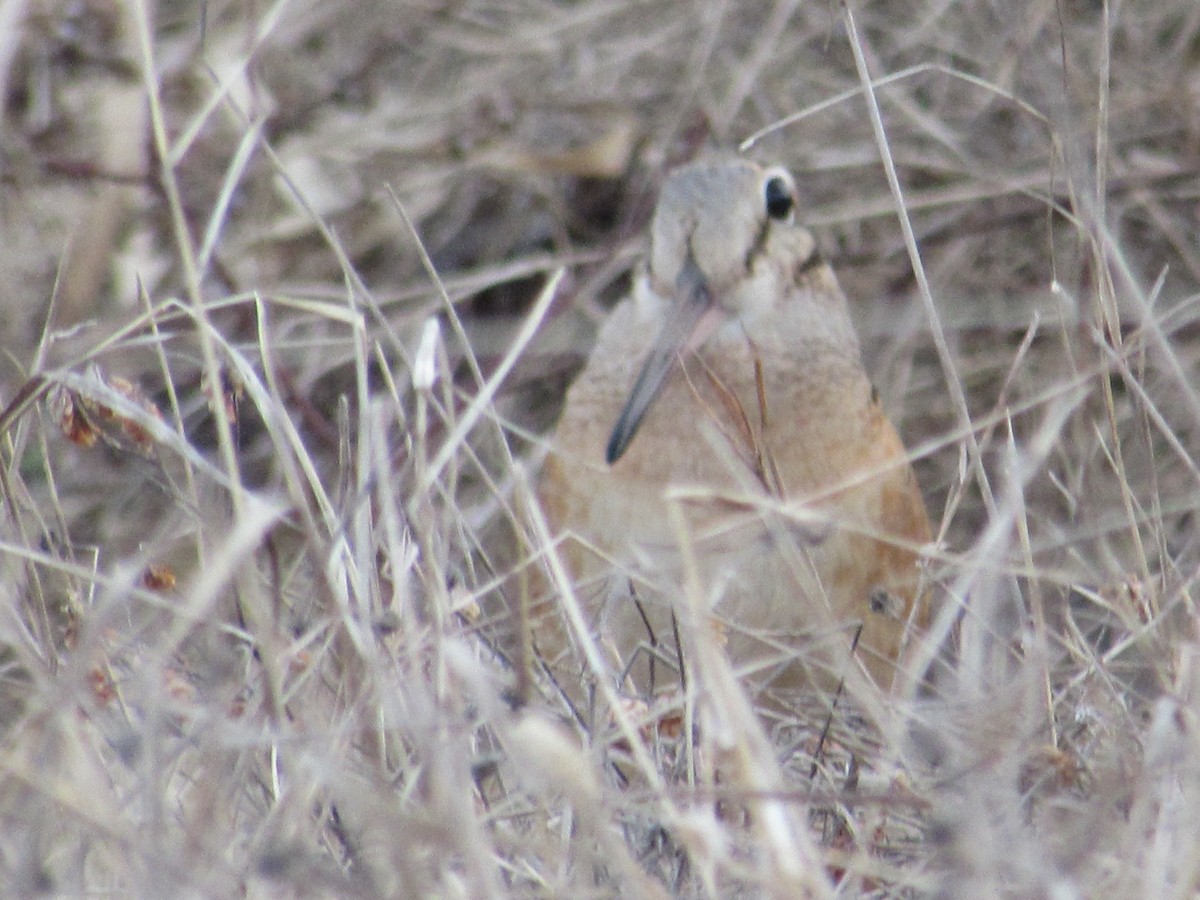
x,y
780,197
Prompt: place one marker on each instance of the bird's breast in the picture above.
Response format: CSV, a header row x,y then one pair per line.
x,y
736,422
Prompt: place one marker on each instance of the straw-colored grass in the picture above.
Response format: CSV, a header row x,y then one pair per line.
x,y
284,331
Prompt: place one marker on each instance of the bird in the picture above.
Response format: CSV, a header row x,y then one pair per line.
x,y
729,386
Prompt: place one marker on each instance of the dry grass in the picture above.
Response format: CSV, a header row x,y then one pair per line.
x,y
251,497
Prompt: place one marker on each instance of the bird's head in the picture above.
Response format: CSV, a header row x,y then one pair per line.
x,y
713,226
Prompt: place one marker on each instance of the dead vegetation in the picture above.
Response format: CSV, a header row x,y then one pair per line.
x,y
251,494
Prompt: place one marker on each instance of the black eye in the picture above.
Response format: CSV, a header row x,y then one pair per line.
x,y
780,200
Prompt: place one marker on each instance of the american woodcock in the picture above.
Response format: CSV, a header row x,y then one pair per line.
x,y
731,383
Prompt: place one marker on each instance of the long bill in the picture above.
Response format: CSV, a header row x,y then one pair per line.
x,y
691,318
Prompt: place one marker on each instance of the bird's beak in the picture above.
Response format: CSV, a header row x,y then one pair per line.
x,y
692,317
